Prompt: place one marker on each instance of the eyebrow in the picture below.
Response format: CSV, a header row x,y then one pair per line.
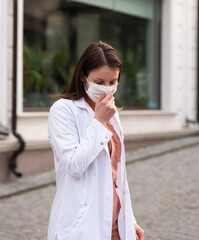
x,y
105,80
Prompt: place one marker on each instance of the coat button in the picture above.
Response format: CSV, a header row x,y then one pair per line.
x,y
106,137
85,204
101,143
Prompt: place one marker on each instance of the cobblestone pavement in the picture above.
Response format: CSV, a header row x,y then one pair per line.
x,y
165,196
25,216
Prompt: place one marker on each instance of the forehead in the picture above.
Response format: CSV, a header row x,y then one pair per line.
x,y
105,72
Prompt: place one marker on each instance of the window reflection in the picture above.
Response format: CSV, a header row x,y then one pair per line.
x,y
55,35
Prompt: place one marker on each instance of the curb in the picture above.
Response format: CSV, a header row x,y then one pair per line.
x,y
160,149
27,184
46,179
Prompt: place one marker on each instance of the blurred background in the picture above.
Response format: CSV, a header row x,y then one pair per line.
x,y
40,44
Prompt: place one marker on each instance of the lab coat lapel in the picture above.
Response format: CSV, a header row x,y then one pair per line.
x,y
115,122
83,104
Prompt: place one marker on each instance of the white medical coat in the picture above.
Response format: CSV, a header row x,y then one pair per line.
x,y
83,204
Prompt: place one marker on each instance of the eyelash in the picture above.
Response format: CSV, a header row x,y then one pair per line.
x,y
111,83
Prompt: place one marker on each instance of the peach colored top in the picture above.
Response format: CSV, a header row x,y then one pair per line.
x,y
114,147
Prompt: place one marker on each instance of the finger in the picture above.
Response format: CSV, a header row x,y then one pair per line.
x,y
114,106
111,103
137,238
109,99
102,96
141,235
108,96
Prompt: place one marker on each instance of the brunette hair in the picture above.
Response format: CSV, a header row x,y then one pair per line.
x,y
96,55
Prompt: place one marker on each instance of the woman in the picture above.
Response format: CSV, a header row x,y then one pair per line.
x,y
92,201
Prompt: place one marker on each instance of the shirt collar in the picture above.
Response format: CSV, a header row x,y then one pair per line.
x,y
81,103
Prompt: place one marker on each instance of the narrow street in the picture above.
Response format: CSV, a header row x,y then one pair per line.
x,y
164,190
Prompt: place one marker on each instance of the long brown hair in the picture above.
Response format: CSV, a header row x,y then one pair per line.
x,y
96,55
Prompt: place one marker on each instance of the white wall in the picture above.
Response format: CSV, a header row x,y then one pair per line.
x,y
179,52
192,60
3,61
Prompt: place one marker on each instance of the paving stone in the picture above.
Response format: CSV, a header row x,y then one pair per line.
x,y
25,216
29,183
164,191
165,195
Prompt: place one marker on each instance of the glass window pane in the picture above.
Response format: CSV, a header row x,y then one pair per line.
x,y
56,33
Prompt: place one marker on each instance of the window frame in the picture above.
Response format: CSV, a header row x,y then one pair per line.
x,y
19,63
43,111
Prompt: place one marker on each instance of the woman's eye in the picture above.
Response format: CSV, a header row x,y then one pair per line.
x,y
112,83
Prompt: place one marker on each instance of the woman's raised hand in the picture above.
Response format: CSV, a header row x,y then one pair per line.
x,y
105,107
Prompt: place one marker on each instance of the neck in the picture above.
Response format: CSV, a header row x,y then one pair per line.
x,y
89,101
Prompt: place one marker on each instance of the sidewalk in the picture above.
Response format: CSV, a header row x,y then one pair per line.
x,y
164,184
165,192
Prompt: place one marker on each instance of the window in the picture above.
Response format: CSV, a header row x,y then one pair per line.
x,y
56,33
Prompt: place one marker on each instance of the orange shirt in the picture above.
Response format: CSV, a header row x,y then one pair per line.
x,y
114,146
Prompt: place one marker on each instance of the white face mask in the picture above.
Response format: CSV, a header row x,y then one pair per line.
x,y
95,90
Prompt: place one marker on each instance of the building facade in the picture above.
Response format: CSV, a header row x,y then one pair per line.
x,y
39,46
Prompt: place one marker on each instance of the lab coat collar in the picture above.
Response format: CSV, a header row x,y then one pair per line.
x,y
81,103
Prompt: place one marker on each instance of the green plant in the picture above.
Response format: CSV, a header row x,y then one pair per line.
x,y
33,62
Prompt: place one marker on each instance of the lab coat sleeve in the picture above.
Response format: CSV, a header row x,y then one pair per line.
x,y
130,213
75,154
